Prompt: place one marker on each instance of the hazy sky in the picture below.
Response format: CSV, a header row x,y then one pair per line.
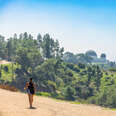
x,y
79,25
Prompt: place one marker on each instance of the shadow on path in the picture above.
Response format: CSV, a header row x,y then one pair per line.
x,y
30,108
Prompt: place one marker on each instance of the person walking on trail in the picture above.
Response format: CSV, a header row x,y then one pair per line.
x,y
30,88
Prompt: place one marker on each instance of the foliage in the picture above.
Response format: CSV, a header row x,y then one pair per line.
x,y
46,94
70,93
6,68
107,97
112,69
63,76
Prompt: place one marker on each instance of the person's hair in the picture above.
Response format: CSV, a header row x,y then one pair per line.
x,y
31,79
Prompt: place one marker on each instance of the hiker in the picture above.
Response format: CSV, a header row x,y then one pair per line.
x,y
30,87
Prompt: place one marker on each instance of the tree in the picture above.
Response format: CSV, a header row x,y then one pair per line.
x,y
39,40
2,47
103,55
70,93
91,53
51,48
69,58
28,59
9,47
107,97
6,68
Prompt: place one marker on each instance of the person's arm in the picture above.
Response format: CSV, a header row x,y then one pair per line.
x,y
34,87
26,86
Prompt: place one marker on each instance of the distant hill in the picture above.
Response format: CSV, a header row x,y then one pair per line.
x,y
90,57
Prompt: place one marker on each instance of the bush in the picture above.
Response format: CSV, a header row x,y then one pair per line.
x,y
112,69
76,69
81,65
8,87
51,86
6,68
107,97
69,73
70,93
84,92
57,96
46,94
0,74
59,82
70,65
92,100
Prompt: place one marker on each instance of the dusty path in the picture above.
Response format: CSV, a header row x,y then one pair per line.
x,y
16,104
4,62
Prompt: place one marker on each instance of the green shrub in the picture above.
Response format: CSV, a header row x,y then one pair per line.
x,y
51,86
70,93
81,65
92,100
112,69
57,96
0,74
107,97
46,94
6,68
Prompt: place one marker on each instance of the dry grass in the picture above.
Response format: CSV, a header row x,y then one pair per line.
x,y
7,87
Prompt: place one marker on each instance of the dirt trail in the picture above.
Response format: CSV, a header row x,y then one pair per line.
x,y
16,104
4,62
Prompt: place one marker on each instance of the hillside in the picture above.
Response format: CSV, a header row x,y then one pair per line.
x,y
89,57
16,104
41,58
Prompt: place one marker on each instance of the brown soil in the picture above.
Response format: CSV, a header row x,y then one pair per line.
x,y
16,104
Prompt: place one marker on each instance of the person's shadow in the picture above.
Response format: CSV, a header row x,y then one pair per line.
x,y
32,108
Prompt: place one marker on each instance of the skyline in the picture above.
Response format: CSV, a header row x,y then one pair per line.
x,y
79,25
